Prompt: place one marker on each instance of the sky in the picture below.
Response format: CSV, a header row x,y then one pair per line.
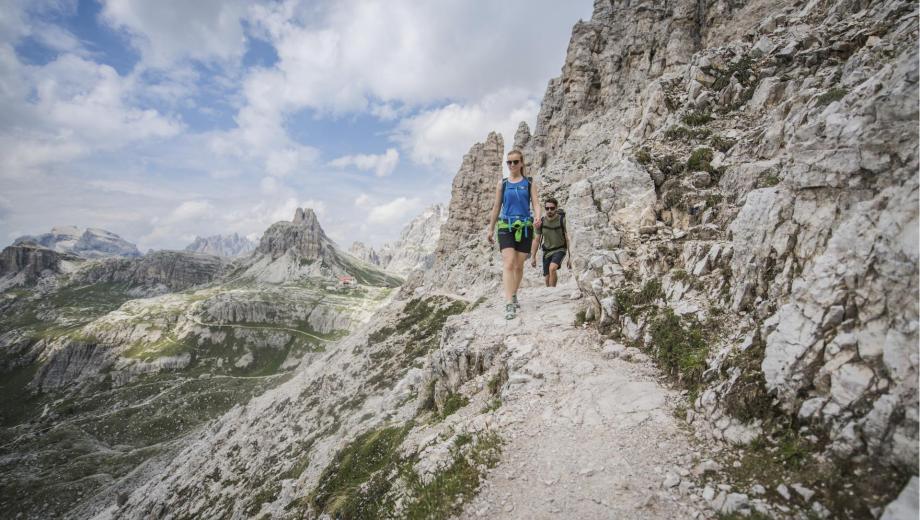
x,y
160,121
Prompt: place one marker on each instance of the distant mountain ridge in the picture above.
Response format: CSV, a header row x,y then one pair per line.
x,y
222,245
301,249
88,243
415,247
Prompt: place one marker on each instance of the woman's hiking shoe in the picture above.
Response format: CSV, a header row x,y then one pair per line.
x,y
514,300
509,311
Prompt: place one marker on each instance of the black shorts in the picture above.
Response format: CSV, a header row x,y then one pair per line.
x,y
554,257
506,239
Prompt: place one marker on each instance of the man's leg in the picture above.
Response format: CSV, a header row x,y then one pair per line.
x,y
553,267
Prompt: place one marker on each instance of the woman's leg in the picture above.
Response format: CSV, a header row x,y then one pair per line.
x,y
519,260
509,275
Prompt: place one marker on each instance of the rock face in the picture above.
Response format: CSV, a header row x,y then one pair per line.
x,y
365,253
462,248
88,243
159,271
761,160
299,249
222,245
413,250
24,264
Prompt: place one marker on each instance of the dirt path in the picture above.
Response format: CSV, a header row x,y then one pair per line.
x,y
586,436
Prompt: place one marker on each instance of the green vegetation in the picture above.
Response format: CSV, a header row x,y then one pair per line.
x,y
834,94
696,118
631,303
495,383
714,199
439,498
643,156
453,403
669,165
768,179
680,347
748,398
699,160
682,133
722,144
359,482
740,69
355,482
492,405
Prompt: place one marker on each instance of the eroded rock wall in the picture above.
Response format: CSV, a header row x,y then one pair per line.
x,y
759,162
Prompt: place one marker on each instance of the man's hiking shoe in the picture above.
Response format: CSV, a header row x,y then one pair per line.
x,y
509,311
514,300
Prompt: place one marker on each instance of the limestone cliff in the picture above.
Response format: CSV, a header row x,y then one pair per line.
x,y
221,245
86,243
463,257
754,169
301,249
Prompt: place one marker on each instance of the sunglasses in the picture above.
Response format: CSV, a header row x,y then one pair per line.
x,y
549,208
512,162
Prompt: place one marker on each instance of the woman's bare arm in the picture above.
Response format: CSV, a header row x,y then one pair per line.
x,y
496,207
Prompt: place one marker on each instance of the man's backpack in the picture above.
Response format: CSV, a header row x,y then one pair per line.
x,y
565,238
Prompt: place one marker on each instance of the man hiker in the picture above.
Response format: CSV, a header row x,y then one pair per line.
x,y
555,239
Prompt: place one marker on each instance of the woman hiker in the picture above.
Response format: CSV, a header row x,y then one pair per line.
x,y
514,196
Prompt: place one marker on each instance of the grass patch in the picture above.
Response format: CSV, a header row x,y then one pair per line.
x,y
453,403
682,133
442,497
696,118
492,405
768,179
643,157
740,69
631,303
834,94
353,485
722,144
669,165
748,399
680,347
700,160
714,199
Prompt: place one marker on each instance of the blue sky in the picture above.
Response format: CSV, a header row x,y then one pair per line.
x,y
164,120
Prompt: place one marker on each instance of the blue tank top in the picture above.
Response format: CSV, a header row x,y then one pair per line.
x,y
516,201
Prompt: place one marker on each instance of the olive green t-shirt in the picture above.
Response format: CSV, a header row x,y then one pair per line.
x,y
553,234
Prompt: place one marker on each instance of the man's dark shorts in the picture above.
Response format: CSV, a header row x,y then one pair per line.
x,y
554,257
506,239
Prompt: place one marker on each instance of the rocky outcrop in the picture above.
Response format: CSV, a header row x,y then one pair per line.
x,y
159,271
88,243
301,249
25,264
762,160
222,245
413,250
416,246
365,253
462,248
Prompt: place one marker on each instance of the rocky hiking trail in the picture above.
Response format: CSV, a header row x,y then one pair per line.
x,y
586,433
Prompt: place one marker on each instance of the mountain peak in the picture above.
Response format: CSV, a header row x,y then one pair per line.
x,y
305,216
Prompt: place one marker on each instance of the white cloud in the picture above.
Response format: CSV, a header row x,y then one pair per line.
x,y
394,212
441,136
362,200
74,107
382,164
167,31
